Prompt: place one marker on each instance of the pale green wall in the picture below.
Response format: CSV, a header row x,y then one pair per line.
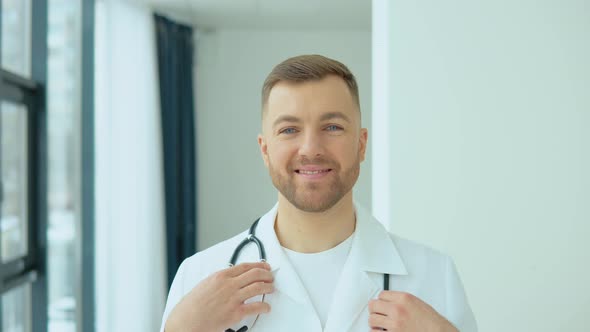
x,y
490,152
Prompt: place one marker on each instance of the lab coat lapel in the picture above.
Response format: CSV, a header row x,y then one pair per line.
x,y
286,279
372,251
353,291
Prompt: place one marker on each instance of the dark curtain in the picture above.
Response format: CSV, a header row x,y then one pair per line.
x,y
175,68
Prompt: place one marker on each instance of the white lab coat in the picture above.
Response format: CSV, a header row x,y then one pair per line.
x,y
416,269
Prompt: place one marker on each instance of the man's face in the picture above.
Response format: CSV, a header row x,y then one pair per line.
x,y
312,142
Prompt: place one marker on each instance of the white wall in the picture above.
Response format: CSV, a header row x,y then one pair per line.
x,y
490,127
233,185
130,261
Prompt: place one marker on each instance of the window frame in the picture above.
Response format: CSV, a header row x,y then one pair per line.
x,y
31,268
31,92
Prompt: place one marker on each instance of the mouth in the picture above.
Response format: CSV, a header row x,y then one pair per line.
x,y
313,173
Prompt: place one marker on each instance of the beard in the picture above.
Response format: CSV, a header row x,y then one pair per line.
x,y
315,196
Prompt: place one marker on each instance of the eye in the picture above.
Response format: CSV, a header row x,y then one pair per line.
x,y
333,128
289,130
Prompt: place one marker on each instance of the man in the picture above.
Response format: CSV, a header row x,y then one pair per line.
x,y
328,261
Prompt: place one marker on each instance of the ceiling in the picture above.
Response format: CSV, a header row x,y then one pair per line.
x,y
298,14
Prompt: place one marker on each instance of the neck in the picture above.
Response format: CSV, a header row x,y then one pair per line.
x,y
309,232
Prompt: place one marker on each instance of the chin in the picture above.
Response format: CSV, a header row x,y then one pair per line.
x,y
317,205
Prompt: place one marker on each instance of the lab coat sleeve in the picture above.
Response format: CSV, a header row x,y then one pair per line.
x,y
459,312
175,294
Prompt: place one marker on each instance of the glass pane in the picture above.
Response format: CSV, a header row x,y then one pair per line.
x,y
16,309
63,84
14,134
16,36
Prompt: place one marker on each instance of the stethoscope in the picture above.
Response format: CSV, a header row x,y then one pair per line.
x,y
251,238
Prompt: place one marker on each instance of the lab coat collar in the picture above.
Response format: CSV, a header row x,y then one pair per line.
x,y
372,243
373,250
374,246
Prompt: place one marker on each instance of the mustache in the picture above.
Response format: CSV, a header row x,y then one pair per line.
x,y
318,161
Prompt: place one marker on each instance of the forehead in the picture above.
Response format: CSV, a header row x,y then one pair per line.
x,y
310,99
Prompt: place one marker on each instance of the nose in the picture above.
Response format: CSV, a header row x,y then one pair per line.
x,y
311,145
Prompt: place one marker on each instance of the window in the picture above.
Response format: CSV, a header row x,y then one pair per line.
x,y
64,163
20,254
16,36
44,284
21,217
14,166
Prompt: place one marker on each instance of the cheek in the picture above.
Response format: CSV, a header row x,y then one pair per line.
x,y
280,155
346,152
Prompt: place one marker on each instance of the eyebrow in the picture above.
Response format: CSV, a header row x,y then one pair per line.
x,y
285,118
324,117
334,115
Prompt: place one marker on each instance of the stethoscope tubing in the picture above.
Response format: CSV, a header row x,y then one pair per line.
x,y
251,238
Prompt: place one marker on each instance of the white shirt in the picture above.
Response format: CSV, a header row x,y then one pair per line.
x,y
319,273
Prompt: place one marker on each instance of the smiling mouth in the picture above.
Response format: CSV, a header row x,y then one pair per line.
x,y
304,172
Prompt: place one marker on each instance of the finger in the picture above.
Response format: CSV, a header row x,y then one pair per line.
x,y
254,308
377,321
396,297
380,307
240,269
254,275
387,295
257,288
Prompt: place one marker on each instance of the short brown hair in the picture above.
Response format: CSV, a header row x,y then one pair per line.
x,y
305,68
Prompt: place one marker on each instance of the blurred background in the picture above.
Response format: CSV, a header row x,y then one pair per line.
x,y
128,142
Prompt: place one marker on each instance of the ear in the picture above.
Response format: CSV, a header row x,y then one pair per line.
x,y
363,138
263,149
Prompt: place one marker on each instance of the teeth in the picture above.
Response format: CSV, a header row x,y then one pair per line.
x,y
310,172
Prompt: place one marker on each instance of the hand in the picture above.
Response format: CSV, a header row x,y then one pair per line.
x,y
403,312
217,302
